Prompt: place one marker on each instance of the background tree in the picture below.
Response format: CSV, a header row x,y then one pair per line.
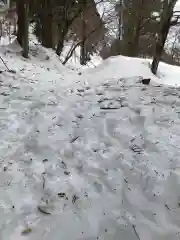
x,y
26,29
165,24
83,55
22,7
20,22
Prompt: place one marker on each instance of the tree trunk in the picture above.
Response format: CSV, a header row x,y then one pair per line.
x,y
133,46
165,24
20,22
26,30
47,24
47,38
61,36
160,46
82,53
83,36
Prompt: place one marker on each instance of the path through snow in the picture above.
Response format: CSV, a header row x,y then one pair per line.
x,y
89,162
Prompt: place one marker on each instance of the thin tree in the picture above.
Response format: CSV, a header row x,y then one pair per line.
x,y
137,18
165,24
26,30
47,23
67,12
20,21
83,35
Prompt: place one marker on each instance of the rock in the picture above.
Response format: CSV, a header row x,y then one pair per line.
x,y
61,195
146,81
47,57
137,149
74,198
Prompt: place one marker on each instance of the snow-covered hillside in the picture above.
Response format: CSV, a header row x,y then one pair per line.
x,y
90,156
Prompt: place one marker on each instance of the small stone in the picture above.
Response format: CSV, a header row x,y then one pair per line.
x,y
62,195
74,198
146,81
45,160
5,168
47,57
135,148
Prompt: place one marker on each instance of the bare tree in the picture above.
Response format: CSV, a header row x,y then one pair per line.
x,y
26,29
83,35
66,13
165,24
137,20
20,21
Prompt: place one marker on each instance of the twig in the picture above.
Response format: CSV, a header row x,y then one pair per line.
x,y
42,210
43,180
73,48
167,206
109,108
9,70
137,235
74,139
4,63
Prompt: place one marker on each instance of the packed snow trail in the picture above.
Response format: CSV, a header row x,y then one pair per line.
x,y
89,160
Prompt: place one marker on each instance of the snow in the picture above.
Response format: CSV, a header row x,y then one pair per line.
x,y
74,62
90,156
125,67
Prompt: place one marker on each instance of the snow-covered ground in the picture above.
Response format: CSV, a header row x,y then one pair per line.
x,y
90,156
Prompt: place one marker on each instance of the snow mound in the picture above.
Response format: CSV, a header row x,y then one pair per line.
x,y
126,67
90,157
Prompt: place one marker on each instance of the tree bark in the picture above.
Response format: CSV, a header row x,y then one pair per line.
x,y
20,22
165,24
26,30
133,46
47,25
62,31
83,36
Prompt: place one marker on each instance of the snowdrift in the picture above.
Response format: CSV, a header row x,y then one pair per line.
x,y
89,157
126,67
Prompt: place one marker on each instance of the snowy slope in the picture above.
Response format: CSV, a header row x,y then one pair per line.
x,y
74,61
89,157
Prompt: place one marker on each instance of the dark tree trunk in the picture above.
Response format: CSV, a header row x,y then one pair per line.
x,y
47,38
133,46
61,36
83,53
165,24
26,30
47,24
160,46
83,36
20,22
